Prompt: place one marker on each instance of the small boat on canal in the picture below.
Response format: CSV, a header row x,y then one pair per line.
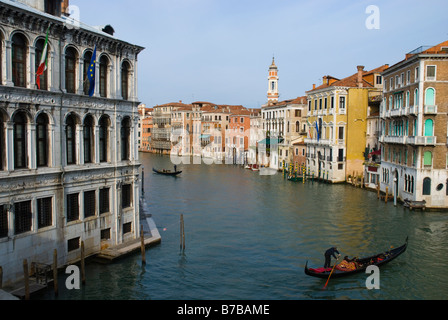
x,y
415,204
359,265
167,172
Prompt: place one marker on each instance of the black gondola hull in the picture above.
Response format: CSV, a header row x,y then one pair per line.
x,y
167,173
390,255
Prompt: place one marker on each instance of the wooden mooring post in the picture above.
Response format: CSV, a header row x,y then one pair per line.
x,y
182,232
55,271
387,194
26,279
142,245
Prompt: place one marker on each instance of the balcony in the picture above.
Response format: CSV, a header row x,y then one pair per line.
x,y
430,109
396,112
321,142
395,139
422,141
413,110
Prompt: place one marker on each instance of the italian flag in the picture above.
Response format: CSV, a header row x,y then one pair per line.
x,y
43,61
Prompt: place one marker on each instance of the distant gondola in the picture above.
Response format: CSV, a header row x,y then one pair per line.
x,y
167,172
364,263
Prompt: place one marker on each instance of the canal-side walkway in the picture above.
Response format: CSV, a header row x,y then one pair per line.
x,y
151,237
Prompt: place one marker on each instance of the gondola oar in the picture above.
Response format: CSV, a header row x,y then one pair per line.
x,y
335,264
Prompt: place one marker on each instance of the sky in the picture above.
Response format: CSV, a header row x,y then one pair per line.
x,y
220,50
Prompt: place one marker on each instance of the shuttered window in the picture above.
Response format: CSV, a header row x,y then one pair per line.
x,y
104,200
89,204
3,222
22,217
44,212
72,207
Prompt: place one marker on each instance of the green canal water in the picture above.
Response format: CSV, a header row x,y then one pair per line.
x,y
248,237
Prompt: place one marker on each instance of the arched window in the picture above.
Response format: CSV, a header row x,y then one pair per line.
x,y
297,126
70,70
104,138
19,66
416,98
88,139
42,140
1,59
86,83
104,62
430,97
125,138
427,187
429,128
125,80
2,142
427,159
39,51
20,143
70,136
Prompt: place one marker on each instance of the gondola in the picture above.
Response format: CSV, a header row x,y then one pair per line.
x,y
167,172
364,263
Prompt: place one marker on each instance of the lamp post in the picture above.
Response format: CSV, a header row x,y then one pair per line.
x,y
395,192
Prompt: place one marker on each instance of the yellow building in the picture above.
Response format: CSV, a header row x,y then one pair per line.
x,y
337,119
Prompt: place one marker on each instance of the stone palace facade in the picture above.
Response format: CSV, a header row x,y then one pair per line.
x,y
69,168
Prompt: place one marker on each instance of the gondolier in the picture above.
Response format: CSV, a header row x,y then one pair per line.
x,y
328,254
362,264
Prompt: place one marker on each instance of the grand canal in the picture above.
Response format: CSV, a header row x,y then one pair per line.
x,y
248,237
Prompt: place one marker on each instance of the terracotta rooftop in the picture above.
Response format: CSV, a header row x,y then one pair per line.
x,y
298,100
350,81
441,48
172,104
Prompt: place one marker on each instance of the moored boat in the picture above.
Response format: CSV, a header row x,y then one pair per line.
x,y
359,265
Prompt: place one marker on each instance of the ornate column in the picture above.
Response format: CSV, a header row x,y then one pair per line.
x,y
79,142
80,76
96,142
9,138
8,64
32,67
31,146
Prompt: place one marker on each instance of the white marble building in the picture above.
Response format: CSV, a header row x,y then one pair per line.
x,y
69,168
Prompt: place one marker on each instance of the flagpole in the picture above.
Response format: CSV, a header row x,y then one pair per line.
x,y
43,60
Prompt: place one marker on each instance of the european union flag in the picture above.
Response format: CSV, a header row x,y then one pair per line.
x,y
91,73
317,130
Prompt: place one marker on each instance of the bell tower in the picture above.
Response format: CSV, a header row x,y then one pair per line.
x,y
273,83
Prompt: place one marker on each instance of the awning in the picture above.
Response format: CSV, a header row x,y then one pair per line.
x,y
270,141
375,153
205,136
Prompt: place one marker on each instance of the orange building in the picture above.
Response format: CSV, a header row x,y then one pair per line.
x,y
146,131
238,136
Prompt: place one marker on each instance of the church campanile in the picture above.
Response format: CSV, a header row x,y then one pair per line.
x,y
273,83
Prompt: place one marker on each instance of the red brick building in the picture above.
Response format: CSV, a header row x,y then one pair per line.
x,y
237,139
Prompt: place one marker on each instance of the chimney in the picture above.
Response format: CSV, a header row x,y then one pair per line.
x,y
314,86
64,8
360,72
325,80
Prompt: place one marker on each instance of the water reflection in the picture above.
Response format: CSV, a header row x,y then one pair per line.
x,y
249,237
